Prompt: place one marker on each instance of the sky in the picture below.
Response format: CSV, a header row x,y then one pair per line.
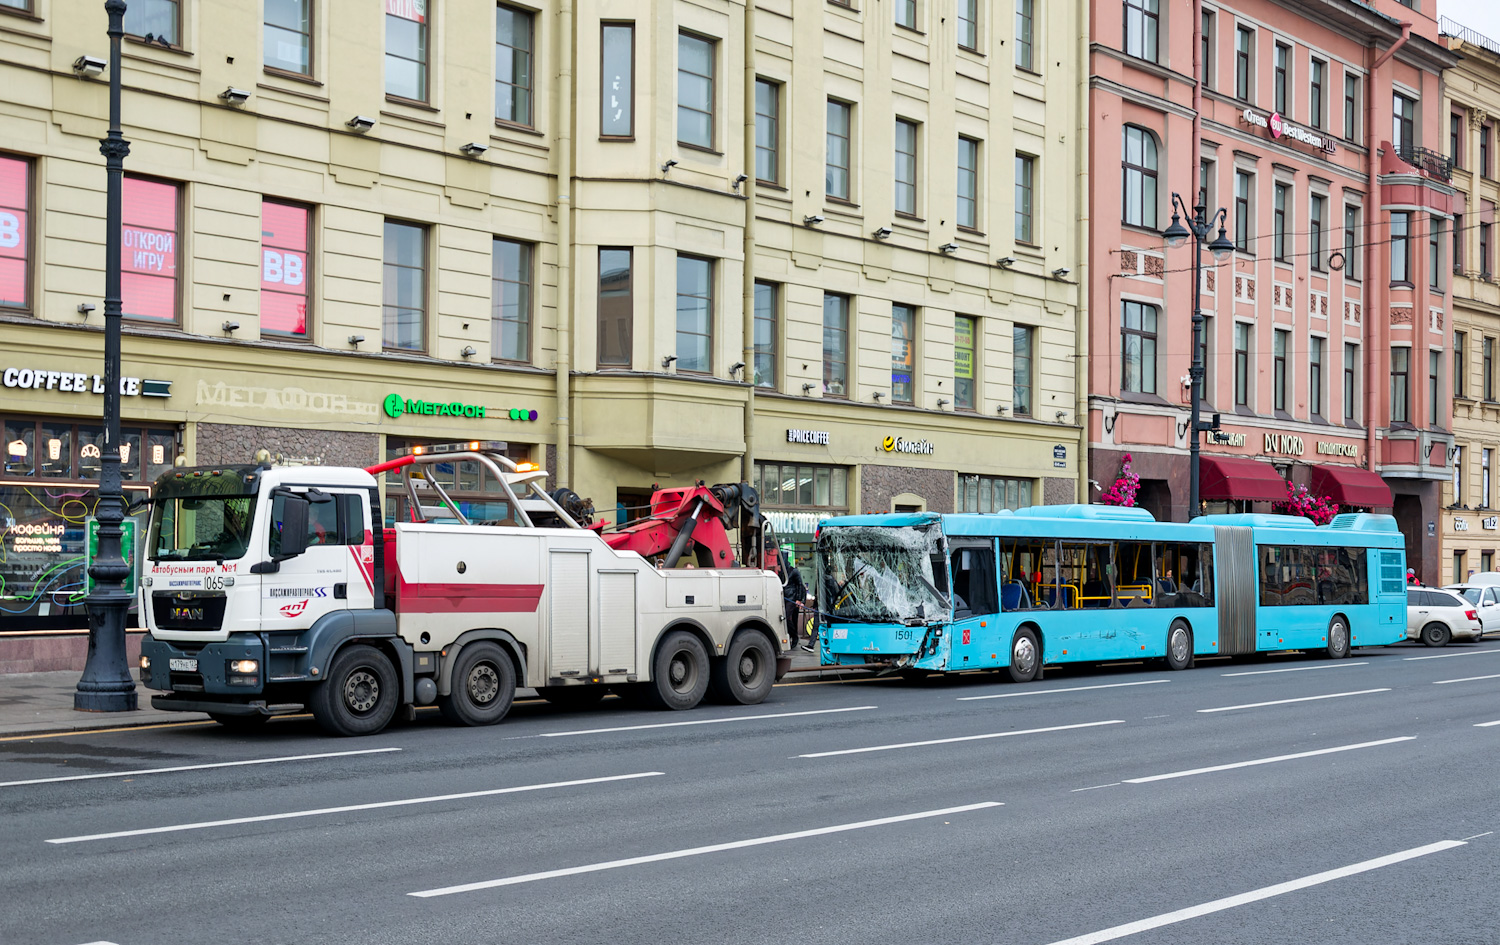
x,y
1482,16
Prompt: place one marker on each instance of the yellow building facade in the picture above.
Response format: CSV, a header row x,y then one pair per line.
x,y
832,248
1471,515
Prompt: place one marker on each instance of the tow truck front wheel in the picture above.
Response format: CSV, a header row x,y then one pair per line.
x,y
359,694
679,672
484,685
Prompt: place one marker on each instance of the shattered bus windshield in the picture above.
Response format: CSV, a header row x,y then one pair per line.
x,y
882,574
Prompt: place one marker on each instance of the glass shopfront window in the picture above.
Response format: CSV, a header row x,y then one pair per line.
x,y
794,497
48,491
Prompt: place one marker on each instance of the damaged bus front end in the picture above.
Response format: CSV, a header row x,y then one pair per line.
x,y
883,591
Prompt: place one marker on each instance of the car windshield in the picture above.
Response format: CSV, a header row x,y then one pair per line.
x,y
880,574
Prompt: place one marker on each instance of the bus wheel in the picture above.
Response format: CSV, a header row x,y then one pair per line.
x,y
484,685
679,672
1435,634
1338,639
746,673
359,694
1025,656
572,697
1179,646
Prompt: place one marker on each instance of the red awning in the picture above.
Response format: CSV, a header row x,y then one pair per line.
x,y
1350,485
1225,477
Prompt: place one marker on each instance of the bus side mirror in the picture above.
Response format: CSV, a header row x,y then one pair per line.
x,y
293,526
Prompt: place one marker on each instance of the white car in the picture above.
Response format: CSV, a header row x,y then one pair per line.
x,y
1436,616
1484,598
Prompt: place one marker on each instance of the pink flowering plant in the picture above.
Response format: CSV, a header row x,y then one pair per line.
x,y
1320,508
1124,489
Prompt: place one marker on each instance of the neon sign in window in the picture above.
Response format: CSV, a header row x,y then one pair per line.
x,y
283,268
148,260
15,221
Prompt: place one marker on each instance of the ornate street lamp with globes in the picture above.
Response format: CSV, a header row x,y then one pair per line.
x,y
1199,225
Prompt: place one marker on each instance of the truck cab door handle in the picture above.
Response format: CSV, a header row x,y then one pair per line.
x,y
341,591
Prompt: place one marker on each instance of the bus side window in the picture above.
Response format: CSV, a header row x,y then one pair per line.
x,y
1097,589
1134,581
973,582
1270,576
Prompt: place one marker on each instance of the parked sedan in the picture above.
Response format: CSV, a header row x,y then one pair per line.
x,y
1436,616
1484,598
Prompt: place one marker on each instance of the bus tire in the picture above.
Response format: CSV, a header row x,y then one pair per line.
x,y
1338,638
572,697
359,694
679,672
1025,656
484,686
1436,634
1179,645
746,673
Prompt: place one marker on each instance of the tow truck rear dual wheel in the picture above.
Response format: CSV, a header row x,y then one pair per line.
x,y
746,673
359,694
679,672
484,685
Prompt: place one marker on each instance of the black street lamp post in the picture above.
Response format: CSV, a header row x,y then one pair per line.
x,y
106,685
1176,235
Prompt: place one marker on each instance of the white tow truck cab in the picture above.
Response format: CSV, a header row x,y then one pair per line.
x,y
266,589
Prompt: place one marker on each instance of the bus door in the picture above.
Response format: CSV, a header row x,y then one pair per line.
x,y
977,640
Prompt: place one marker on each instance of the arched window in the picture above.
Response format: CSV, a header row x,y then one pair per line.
x,y
1139,165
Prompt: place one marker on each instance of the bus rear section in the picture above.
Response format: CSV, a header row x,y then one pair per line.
x,y
1309,587
882,590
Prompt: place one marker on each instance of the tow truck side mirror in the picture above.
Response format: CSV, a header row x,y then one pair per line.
x,y
293,526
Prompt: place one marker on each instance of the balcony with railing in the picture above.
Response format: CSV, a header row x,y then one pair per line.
x,y
1474,38
1430,162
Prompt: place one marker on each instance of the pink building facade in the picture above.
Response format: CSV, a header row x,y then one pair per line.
x,y
1318,128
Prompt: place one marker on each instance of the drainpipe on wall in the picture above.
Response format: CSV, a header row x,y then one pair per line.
x,y
1081,241
747,463
564,172
1372,208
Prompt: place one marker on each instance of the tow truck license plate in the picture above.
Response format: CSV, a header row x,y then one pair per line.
x,y
183,666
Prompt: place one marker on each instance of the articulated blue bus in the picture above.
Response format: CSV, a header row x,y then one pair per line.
x,y
925,592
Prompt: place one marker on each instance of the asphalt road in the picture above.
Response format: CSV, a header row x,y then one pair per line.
x,y
1344,802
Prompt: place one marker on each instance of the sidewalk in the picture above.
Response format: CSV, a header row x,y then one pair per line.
x,y
42,703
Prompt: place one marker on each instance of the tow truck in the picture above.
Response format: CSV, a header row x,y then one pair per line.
x,y
270,590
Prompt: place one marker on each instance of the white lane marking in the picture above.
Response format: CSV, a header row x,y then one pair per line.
x,y
696,851
1295,669
405,802
1257,705
1444,656
1095,787
1266,761
1485,724
1438,682
217,764
1043,692
735,718
1255,895
1478,835
962,738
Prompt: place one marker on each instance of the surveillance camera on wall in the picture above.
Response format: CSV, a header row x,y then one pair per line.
x,y
235,96
474,148
89,66
360,123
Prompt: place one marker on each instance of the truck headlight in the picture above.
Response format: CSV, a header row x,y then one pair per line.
x,y
145,662
244,666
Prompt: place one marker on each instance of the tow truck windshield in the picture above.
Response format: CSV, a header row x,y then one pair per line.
x,y
202,518
882,575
